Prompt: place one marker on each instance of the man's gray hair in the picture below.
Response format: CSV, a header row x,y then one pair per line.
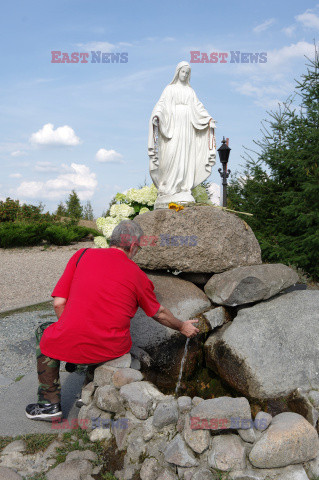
x,y
126,233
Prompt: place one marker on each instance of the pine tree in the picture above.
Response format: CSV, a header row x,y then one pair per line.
x,y
73,205
61,210
281,186
88,211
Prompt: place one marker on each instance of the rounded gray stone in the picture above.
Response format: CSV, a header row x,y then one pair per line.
x,y
262,421
289,440
166,413
220,240
72,470
227,453
221,413
249,284
177,453
107,398
126,375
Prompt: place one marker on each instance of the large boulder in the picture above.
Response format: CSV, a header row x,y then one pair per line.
x,y
290,439
202,239
183,298
249,284
268,350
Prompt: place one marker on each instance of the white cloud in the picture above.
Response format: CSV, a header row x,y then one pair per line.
x,y
259,90
79,178
108,156
308,19
47,167
97,46
61,136
264,26
285,54
289,31
268,82
18,153
15,175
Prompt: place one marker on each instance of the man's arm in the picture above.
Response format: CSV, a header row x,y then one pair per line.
x,y
165,317
59,305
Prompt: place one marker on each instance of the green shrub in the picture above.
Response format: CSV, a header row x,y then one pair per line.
x,y
65,234
59,235
21,234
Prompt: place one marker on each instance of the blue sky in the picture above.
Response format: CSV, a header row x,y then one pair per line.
x,y
56,117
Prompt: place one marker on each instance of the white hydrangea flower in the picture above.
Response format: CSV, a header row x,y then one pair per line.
x,y
143,210
110,224
145,195
100,242
108,229
123,210
101,222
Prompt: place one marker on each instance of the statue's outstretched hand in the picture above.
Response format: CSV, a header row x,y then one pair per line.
x,y
188,329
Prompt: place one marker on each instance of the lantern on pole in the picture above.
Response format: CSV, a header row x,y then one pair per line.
x,y
223,153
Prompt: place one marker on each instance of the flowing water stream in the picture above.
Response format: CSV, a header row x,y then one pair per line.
x,y
182,366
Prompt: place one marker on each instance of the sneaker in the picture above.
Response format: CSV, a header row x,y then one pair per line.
x,y
46,412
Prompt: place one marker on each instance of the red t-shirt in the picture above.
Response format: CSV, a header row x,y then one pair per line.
x,y
103,293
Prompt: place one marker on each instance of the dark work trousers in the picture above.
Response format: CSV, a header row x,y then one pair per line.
x,y
49,390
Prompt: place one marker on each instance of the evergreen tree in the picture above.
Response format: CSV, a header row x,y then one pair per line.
x,y
88,211
281,186
73,206
61,210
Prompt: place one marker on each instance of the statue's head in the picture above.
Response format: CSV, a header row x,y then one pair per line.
x,y
182,73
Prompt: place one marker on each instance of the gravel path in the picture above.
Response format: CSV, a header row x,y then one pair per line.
x,y
28,275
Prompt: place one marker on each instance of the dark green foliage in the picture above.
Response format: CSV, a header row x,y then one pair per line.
x,y
74,208
65,234
61,210
281,186
20,234
60,235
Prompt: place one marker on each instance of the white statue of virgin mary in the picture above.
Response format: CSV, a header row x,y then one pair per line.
x,y
181,144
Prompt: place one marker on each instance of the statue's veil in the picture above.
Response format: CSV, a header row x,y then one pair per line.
x,y
179,66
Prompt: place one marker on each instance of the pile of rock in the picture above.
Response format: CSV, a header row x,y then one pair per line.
x,y
166,438
16,464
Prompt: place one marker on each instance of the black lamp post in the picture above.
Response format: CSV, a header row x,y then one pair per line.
x,y
223,153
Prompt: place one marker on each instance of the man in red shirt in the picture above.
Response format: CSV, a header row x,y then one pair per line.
x,y
95,300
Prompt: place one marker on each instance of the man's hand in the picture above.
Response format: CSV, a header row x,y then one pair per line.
x,y
165,317
188,329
